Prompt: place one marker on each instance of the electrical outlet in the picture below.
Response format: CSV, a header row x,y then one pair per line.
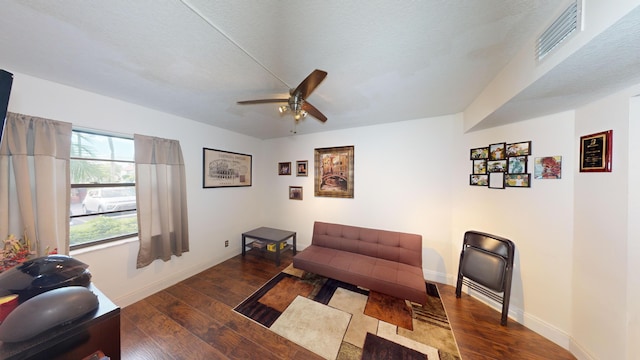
x,y
226,243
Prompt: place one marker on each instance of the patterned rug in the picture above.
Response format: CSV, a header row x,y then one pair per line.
x,y
339,321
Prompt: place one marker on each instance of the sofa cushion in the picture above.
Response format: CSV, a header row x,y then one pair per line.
x,y
390,245
385,276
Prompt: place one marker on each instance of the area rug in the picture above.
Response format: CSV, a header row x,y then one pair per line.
x,y
339,321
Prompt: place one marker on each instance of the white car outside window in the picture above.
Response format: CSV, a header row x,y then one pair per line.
x,y
109,199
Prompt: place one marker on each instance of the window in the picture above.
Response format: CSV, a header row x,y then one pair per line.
x,y
103,194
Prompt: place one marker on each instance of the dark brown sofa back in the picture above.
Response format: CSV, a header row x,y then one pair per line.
x,y
389,245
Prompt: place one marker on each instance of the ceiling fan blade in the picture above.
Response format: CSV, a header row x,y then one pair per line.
x,y
311,110
309,84
263,101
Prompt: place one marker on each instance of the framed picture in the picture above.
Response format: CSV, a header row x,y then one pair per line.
x,y
479,180
284,168
480,153
334,172
479,167
301,168
548,167
497,151
517,164
295,192
517,180
595,152
519,149
496,166
496,180
225,169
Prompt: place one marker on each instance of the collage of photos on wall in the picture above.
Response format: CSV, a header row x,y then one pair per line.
x,y
501,165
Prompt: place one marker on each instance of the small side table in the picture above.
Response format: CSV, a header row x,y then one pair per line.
x,y
269,236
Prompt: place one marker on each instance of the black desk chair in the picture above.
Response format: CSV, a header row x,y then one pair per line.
x,y
486,265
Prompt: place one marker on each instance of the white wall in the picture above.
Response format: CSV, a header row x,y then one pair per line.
x,y
601,254
213,213
403,182
633,250
575,278
537,219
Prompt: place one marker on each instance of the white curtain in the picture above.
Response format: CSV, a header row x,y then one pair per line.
x,y
162,199
34,182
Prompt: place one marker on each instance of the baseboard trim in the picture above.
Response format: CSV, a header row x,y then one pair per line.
x,y
516,314
579,352
532,322
163,283
435,276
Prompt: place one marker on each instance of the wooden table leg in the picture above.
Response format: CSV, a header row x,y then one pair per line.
x,y
294,244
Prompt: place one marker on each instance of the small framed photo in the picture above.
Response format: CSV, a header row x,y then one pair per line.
x,y
497,151
517,164
295,192
548,167
518,180
496,180
478,180
284,168
595,152
479,153
302,168
479,166
496,166
519,149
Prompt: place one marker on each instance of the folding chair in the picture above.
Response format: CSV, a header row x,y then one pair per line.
x,y
486,266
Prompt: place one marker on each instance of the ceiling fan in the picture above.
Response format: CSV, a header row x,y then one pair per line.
x,y
297,101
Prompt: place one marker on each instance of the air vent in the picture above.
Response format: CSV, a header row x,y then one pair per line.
x,y
562,27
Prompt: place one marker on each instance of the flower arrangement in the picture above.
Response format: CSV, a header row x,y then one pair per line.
x,y
14,252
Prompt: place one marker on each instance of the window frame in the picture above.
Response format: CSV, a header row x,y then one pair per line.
x,y
100,185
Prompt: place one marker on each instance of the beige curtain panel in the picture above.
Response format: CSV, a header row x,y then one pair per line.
x,y
34,182
162,199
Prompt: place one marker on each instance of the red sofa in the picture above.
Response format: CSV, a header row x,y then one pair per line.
x,y
384,261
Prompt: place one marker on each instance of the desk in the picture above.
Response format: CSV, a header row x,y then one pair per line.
x,y
99,330
267,236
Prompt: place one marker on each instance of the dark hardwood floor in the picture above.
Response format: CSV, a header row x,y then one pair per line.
x,y
194,320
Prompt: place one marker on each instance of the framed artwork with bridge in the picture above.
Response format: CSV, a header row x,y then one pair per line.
x,y
334,172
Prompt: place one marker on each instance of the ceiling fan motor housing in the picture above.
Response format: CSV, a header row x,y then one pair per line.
x,y
295,102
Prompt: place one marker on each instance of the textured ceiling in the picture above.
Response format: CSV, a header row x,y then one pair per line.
x,y
608,63
387,60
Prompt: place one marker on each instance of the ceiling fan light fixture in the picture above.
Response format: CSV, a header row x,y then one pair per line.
x,y
296,103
